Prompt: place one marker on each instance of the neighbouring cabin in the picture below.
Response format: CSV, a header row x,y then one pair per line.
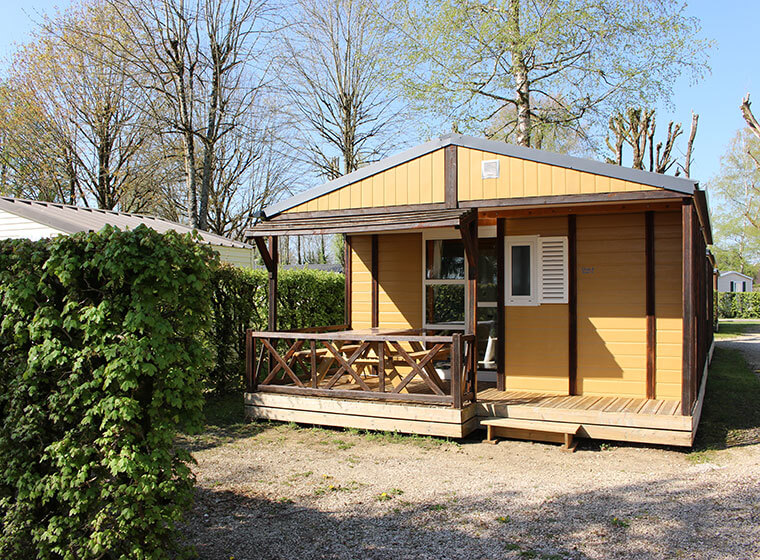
x,y
732,281
33,219
540,295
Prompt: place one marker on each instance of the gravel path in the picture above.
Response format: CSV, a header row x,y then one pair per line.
x,y
276,491
296,493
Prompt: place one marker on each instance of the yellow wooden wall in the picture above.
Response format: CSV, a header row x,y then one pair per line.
x,y
519,177
399,281
419,181
537,336
668,304
361,281
611,305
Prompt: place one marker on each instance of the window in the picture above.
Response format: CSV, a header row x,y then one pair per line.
x,y
536,270
731,287
744,286
444,283
521,270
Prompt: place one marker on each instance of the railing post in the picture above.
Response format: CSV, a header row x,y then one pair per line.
x,y
381,366
313,361
456,369
473,373
250,355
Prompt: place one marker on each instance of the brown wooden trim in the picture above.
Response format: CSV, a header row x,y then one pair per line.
x,y
501,336
700,203
687,229
360,336
264,252
250,352
650,304
348,273
572,307
357,395
470,238
563,199
375,283
274,254
450,187
346,212
456,370
581,209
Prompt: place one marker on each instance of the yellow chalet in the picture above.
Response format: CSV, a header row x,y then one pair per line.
x,y
540,296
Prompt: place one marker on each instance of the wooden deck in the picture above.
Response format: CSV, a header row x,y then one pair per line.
x,y
613,418
609,418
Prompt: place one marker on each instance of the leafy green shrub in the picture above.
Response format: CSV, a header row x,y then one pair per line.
x,y
306,298
738,305
103,348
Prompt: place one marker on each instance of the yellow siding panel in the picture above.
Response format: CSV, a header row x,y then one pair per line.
x,y
668,302
520,178
361,281
399,279
536,337
611,305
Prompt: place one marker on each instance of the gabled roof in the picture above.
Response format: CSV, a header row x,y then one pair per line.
x,y
668,182
73,219
737,273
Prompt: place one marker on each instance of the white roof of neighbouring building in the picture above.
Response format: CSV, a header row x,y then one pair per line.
x,y
73,219
737,273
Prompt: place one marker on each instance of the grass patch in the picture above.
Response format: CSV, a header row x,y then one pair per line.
x,y
732,329
731,415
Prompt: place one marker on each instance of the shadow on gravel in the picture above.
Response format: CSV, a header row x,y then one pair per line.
x,y
665,519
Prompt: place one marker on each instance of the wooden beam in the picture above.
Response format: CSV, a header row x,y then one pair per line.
x,y
565,199
501,326
348,273
450,188
650,304
274,255
469,234
633,207
687,232
572,307
264,252
375,283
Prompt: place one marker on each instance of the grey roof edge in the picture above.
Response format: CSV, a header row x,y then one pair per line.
x,y
736,272
669,182
34,210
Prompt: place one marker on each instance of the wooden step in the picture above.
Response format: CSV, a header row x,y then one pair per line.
x,y
567,429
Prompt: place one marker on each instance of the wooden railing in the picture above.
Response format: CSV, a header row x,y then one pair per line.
x,y
401,367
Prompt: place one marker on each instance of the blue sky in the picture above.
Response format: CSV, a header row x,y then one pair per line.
x,y
734,61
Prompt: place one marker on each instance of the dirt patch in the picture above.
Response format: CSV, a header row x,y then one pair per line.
x,y
278,491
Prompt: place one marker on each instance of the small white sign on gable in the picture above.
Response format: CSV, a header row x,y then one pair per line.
x,y
489,169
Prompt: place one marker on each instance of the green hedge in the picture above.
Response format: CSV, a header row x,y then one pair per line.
x,y
103,349
306,298
738,305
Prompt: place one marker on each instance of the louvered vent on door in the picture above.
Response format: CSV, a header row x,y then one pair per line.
x,y
553,263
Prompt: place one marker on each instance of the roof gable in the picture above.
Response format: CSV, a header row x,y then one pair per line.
x,y
643,179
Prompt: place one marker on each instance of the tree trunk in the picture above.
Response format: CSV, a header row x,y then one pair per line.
x,y
690,144
520,75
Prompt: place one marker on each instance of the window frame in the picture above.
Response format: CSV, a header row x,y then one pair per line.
x,y
441,234
531,300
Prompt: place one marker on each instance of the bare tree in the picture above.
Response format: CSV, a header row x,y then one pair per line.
x,y
75,117
335,83
690,144
196,62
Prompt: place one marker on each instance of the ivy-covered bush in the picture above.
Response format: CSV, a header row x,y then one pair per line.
x,y
738,305
103,350
306,298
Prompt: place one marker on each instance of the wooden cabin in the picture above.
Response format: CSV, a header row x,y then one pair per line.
x,y
540,295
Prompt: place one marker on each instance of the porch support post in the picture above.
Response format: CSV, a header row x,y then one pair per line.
x,y
348,273
687,289
271,256
274,254
650,305
375,283
469,230
572,306
501,324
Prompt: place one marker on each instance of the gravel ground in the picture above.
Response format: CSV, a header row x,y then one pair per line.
x,y
277,491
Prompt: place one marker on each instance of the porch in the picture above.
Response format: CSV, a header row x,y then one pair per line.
x,y
413,382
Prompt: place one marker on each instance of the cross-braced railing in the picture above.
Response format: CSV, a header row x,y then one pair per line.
x,y
403,366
